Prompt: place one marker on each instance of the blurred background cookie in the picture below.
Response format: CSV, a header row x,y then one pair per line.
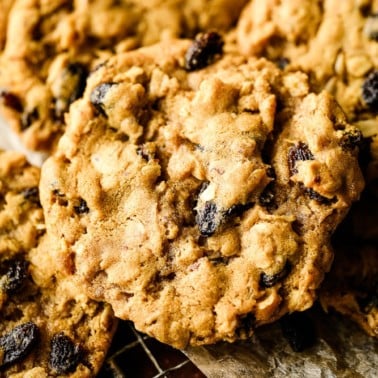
x,y
50,48
48,326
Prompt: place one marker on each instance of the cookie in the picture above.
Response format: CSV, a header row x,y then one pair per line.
x,y
48,327
5,6
196,193
52,46
335,42
351,288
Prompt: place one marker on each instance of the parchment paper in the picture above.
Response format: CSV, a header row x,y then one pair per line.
x,y
341,350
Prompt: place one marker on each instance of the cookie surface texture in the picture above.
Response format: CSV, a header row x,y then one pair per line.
x,y
48,327
51,46
199,202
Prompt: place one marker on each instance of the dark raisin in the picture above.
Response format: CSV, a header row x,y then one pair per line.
x,y
318,197
31,194
71,87
299,330
64,354
267,280
206,219
203,51
27,118
282,62
18,342
10,100
15,276
365,9
271,173
371,27
58,193
82,208
267,198
370,91
78,73
238,209
98,96
351,139
298,152
59,197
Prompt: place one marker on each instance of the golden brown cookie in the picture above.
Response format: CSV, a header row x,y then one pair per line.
x,y
196,193
51,46
48,326
5,6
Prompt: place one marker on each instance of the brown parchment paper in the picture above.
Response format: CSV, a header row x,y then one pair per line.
x,y
341,350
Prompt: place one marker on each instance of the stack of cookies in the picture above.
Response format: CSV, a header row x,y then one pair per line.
x,y
202,154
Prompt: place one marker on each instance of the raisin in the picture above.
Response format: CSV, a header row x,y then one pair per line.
x,y
298,152
351,139
59,197
98,96
206,219
203,51
31,194
27,118
10,100
282,62
318,197
15,276
267,280
72,85
18,342
78,73
82,208
266,198
371,27
64,354
299,331
370,91
271,173
238,209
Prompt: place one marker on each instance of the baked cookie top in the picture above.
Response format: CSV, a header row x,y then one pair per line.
x,y
197,193
48,327
351,288
52,45
335,42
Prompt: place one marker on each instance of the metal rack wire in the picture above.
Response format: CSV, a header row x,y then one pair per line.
x,y
135,355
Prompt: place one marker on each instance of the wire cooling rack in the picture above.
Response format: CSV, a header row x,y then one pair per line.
x,y
135,355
